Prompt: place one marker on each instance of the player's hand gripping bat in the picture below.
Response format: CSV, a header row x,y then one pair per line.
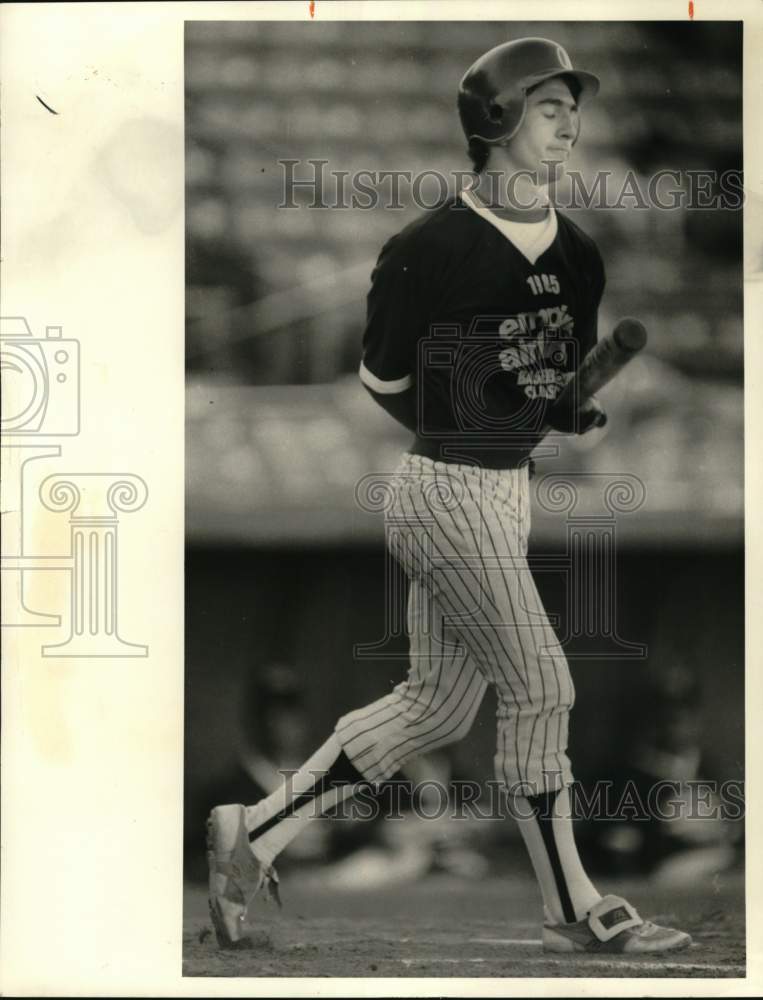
x,y
575,409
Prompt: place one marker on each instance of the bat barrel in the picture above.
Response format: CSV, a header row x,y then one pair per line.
x,y
630,335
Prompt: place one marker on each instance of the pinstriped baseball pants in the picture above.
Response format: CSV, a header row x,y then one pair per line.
x,y
474,618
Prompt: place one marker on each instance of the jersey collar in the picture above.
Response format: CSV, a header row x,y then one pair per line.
x,y
530,239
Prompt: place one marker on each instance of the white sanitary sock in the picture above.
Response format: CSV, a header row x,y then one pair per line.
x,y
568,893
290,798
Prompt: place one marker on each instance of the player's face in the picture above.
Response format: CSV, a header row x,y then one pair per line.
x,y
548,130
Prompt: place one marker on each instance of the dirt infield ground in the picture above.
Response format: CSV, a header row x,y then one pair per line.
x,y
447,926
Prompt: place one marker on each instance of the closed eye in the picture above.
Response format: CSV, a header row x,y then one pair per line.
x,y
551,106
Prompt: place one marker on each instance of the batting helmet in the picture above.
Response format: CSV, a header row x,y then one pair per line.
x,y
492,96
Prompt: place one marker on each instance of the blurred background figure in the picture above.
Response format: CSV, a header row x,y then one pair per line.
x,y
672,827
667,751
282,565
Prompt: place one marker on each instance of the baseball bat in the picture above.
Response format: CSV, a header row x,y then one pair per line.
x,y
602,363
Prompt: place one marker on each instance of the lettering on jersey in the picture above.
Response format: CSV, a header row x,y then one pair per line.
x,y
553,321
545,376
540,363
532,353
546,382
540,283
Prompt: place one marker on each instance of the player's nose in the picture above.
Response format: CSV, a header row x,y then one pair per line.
x,y
566,129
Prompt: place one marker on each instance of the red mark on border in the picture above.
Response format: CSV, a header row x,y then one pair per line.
x,y
691,9
312,8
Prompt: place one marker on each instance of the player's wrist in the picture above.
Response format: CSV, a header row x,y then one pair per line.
x,y
567,417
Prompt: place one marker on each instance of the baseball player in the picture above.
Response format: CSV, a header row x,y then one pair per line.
x,y
478,315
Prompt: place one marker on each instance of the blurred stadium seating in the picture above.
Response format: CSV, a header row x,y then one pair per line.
x,y
278,465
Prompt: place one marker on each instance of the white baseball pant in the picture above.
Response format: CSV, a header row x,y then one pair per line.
x,y
474,618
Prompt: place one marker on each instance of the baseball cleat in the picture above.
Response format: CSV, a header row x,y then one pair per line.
x,y
613,927
236,875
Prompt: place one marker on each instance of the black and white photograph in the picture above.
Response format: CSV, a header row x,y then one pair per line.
x,y
465,499
379,471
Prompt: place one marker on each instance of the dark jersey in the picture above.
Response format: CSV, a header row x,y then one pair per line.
x,y
487,338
